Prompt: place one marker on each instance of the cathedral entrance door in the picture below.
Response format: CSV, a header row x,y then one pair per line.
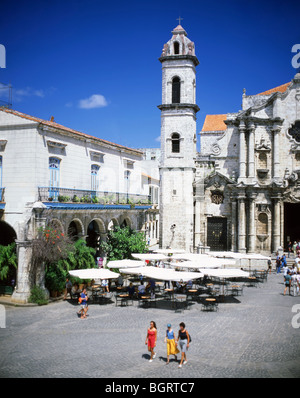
x,y
291,223
217,233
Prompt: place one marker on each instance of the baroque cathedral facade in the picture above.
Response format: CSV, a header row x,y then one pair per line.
x,y
241,192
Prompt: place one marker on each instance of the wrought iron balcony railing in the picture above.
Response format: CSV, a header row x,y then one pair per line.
x,y
53,194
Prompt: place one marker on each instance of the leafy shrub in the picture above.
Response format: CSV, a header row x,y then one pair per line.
x,y
38,296
8,261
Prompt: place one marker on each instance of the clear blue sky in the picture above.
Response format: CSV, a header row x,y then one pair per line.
x,y
94,65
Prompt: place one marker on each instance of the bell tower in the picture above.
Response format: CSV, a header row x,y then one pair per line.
x,y
178,141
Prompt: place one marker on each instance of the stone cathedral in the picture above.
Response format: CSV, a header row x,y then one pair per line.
x,y
242,191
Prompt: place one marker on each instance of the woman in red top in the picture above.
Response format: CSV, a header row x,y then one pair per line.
x,y
151,339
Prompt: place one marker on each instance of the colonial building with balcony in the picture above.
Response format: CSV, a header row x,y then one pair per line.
x,y
82,185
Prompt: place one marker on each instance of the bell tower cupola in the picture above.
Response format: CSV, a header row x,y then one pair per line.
x,y
178,140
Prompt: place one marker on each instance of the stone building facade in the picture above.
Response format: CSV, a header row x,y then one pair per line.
x,y
82,185
241,192
178,140
252,163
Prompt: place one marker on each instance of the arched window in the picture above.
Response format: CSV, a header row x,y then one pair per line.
x,y
176,90
176,47
175,143
54,166
95,177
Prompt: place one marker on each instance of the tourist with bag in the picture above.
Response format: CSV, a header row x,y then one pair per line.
x,y
183,340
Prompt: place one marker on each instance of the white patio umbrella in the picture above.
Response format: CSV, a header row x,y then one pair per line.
x,y
176,276
126,263
253,256
169,251
226,273
94,273
195,265
134,271
163,273
226,254
203,260
150,256
256,256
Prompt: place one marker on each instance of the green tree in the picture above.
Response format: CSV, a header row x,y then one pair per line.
x,y
121,242
8,261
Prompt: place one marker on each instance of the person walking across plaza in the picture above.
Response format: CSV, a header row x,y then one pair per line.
x,y
171,343
269,265
295,283
294,248
151,339
83,302
290,248
184,343
68,289
287,282
278,263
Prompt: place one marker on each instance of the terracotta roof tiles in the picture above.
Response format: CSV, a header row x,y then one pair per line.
x,y
53,124
280,89
214,123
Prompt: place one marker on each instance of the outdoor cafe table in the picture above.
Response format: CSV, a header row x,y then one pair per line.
x,y
180,299
124,297
252,281
210,304
170,292
144,300
233,290
192,293
209,287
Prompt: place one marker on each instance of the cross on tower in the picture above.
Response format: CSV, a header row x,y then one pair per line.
x,y
179,19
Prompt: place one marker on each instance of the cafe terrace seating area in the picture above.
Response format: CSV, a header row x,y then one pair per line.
x,y
167,280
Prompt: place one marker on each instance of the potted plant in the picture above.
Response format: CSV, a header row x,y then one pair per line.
x,y
75,199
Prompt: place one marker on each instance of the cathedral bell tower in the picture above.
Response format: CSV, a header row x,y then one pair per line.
x,y
178,141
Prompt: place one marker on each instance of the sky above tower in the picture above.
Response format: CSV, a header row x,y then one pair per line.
x,y
94,66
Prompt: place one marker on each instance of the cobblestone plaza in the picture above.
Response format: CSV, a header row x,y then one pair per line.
x,y
253,335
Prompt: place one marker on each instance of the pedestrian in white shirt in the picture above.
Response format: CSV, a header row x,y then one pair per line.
x,y
294,284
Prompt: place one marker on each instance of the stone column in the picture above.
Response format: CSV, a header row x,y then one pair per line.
x,y
242,223
22,290
276,152
147,226
276,223
197,239
242,153
233,224
251,170
251,233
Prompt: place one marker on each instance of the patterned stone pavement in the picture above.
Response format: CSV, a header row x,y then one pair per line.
x,y
250,336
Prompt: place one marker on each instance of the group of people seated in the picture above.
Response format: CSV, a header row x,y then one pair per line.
x,y
142,289
134,291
